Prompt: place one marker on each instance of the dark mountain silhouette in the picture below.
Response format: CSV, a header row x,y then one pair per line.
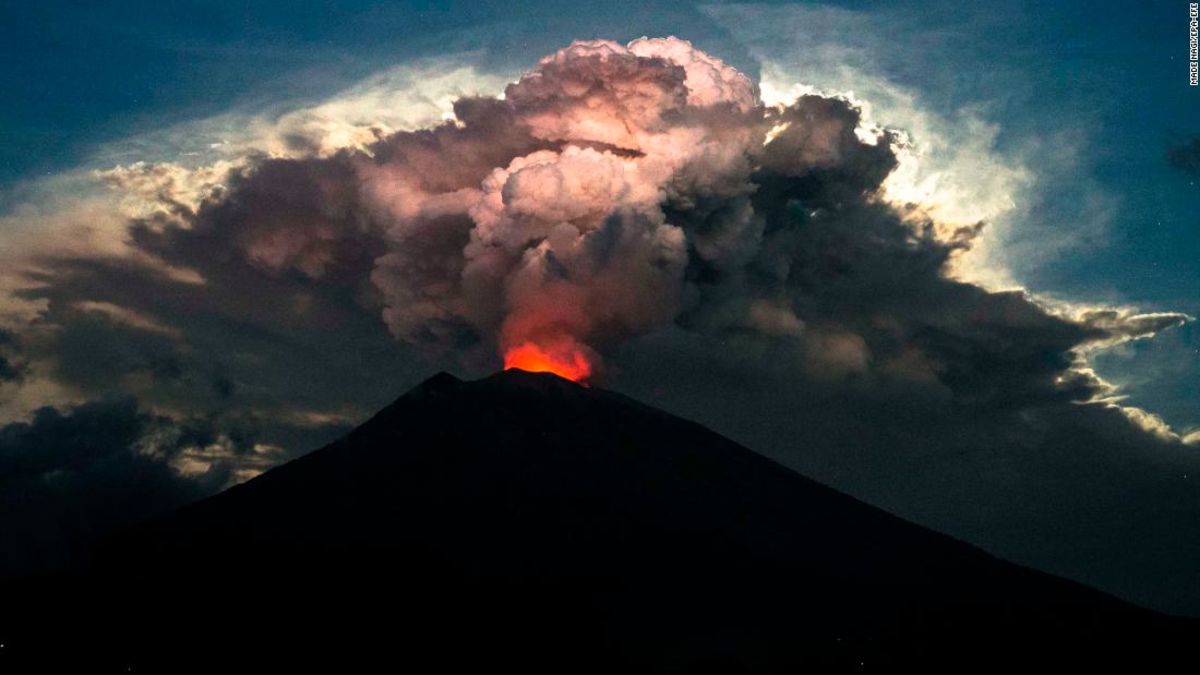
x,y
523,523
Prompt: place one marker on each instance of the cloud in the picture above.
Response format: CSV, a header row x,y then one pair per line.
x,y
640,212
468,221
956,162
67,476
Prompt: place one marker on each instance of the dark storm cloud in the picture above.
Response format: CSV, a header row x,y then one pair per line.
x,y
249,336
67,476
1186,155
732,262
9,370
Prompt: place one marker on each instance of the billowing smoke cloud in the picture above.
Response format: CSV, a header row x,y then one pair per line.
x,y
531,225
613,190
536,226
636,216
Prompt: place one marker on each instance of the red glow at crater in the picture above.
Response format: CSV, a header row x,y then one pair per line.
x,y
564,358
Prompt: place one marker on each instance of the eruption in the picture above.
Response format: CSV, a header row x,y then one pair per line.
x,y
616,191
563,357
639,203
543,213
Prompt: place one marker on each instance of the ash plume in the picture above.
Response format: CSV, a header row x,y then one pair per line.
x,y
611,191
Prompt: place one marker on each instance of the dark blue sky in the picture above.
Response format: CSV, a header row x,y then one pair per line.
x,y
1109,77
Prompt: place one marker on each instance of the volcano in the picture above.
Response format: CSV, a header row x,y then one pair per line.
x,y
525,523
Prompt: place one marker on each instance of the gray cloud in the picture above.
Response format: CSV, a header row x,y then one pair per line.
x,y
67,476
10,370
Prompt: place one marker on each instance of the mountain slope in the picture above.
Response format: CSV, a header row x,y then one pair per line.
x,y
523,520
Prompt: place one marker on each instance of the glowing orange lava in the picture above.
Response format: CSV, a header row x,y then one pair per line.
x,y
564,359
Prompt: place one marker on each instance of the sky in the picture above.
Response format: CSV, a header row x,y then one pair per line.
x,y
223,247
